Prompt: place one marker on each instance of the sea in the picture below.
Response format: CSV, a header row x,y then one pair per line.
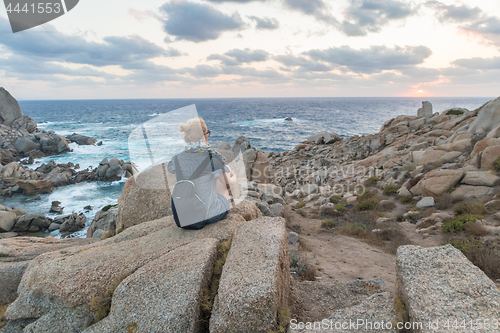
x,y
117,123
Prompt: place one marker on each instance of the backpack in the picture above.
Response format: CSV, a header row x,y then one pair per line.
x,y
188,209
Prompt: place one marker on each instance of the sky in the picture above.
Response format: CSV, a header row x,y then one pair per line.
x,y
256,48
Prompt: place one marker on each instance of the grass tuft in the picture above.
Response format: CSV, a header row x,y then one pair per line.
x,y
391,189
369,204
107,207
340,207
386,206
300,205
454,112
329,224
211,291
459,223
372,181
101,305
496,165
283,320
335,198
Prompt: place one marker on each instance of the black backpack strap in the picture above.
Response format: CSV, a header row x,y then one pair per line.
x,y
200,169
211,160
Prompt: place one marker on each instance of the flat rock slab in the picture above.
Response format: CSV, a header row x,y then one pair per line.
x,y
27,248
255,280
164,295
440,284
375,314
61,284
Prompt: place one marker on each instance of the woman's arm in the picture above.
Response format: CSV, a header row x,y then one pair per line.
x,y
231,177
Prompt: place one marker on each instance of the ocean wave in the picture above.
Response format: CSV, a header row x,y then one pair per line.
x,y
269,122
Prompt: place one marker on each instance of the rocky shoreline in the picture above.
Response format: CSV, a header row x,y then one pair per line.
x,y
21,143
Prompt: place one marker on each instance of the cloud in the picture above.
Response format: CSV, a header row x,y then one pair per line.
x,y
365,16
197,22
315,8
237,57
374,59
478,63
472,20
238,1
265,23
454,13
303,63
52,45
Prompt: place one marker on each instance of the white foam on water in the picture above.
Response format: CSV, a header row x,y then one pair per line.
x,y
268,122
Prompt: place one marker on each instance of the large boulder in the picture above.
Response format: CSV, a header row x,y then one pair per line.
x,y
480,178
426,110
473,192
24,145
35,187
166,294
9,108
489,155
439,285
255,280
7,221
488,117
437,182
428,156
145,197
241,144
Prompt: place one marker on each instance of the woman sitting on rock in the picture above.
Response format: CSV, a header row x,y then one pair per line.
x,y
201,194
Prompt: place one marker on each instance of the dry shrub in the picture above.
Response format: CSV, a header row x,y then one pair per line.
x,y
470,208
300,205
393,238
406,199
446,201
414,181
402,315
360,231
386,206
475,230
366,196
426,224
3,321
306,271
283,320
429,211
329,224
391,189
372,181
486,256
369,204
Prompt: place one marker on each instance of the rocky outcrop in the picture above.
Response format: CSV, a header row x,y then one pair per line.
x,y
438,284
324,137
9,108
103,224
113,169
426,110
35,187
81,139
71,223
255,279
31,223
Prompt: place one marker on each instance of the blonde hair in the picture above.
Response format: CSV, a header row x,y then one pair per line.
x,y
194,129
